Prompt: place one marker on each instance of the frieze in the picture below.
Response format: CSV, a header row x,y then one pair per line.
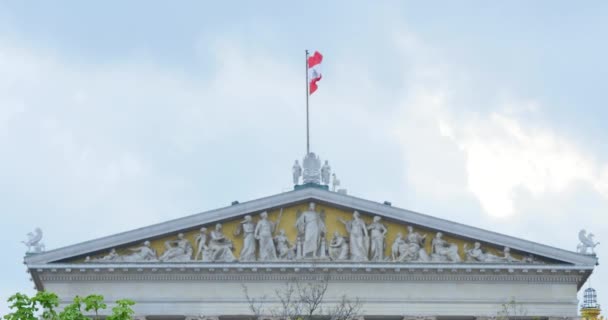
x,y
304,238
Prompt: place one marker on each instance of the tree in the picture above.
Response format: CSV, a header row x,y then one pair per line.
x,y
512,310
46,303
304,301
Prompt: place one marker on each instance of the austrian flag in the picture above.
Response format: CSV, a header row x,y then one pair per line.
x,y
314,71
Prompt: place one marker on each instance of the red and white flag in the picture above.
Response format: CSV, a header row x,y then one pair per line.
x,y
314,71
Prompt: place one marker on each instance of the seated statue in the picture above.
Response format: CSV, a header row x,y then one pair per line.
x,y
338,247
177,250
220,247
413,247
441,250
285,251
398,247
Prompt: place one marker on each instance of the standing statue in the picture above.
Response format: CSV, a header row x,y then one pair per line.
x,y
285,251
264,231
441,250
201,244
248,227
325,173
338,247
377,234
310,229
296,170
177,250
358,237
144,253
586,242
33,241
414,247
335,183
220,247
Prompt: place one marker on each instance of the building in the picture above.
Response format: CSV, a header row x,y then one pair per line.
x,y
400,264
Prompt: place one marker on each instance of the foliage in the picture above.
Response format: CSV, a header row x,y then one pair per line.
x,y
304,301
44,306
512,310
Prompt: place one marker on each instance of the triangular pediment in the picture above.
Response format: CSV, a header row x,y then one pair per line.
x,y
333,243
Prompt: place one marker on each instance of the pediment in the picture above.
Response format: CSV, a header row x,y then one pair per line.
x,y
404,237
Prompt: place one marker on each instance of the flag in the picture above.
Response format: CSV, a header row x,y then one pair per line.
x,y
314,71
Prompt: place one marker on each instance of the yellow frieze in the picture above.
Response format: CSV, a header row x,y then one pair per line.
x,y
287,222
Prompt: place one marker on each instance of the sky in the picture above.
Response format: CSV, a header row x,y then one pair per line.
x,y
116,115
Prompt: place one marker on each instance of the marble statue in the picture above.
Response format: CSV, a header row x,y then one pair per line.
x,y
413,249
220,247
358,237
264,231
442,251
284,249
143,253
507,257
377,234
248,250
335,182
33,241
112,256
310,229
312,169
586,243
201,244
338,247
177,250
325,173
398,247
296,170
476,254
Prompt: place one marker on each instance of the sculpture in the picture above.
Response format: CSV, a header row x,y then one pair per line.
x,y
284,249
358,237
33,241
177,250
310,228
312,169
201,244
441,250
112,256
141,254
338,247
398,247
220,247
377,234
413,248
476,254
586,242
248,250
325,173
264,234
335,183
296,170
507,257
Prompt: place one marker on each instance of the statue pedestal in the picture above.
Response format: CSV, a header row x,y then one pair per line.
x,y
310,185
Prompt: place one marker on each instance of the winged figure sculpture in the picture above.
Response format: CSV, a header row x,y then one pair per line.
x,y
586,242
33,241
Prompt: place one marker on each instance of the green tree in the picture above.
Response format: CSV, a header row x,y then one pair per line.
x,y
43,306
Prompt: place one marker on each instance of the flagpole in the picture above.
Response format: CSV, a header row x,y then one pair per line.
x,y
307,118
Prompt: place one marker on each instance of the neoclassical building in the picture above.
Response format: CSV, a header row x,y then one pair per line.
x,y
400,264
